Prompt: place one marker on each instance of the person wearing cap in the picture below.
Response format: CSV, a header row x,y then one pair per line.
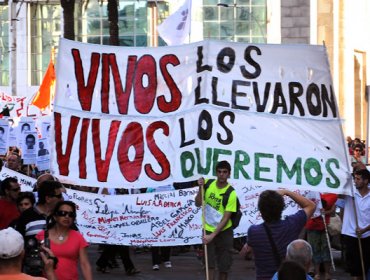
x,y
12,254
8,204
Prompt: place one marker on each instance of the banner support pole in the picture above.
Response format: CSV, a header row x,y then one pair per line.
x,y
204,233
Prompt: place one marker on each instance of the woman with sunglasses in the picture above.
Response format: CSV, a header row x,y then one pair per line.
x,y
67,244
358,157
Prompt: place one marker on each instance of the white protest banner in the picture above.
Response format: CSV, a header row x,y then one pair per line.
x,y
147,117
156,219
16,106
24,181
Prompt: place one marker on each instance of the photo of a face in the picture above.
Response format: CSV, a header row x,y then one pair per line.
x,y
30,141
25,127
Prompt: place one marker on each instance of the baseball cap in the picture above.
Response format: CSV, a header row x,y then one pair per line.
x,y
11,243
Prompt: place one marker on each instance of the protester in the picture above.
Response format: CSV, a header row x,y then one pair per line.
x,y
68,245
317,237
12,254
352,233
25,201
33,220
357,155
13,162
300,252
107,257
162,253
291,270
8,204
268,241
109,252
48,177
218,226
349,144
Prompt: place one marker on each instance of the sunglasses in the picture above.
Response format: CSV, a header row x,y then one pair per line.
x,y
357,150
65,214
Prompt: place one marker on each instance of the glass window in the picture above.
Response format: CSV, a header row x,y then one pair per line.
x,y
45,33
91,26
4,46
133,23
235,20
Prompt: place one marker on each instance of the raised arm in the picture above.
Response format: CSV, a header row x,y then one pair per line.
x,y
307,205
199,198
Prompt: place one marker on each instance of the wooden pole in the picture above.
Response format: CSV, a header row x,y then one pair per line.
x,y
328,240
204,233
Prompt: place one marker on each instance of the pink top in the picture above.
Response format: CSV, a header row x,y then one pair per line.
x,y
67,254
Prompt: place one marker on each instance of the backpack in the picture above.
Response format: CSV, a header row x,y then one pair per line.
x,y
235,216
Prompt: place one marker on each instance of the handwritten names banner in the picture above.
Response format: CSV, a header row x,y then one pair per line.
x,y
146,117
156,219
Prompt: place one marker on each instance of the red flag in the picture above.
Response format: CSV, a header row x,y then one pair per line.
x,y
46,91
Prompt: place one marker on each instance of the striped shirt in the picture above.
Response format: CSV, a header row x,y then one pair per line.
x,y
30,223
283,232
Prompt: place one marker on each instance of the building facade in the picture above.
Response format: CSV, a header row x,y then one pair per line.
x,y
30,29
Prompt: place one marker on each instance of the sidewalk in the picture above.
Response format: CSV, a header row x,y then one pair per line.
x,y
186,266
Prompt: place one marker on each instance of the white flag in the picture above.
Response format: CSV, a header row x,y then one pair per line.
x,y
176,27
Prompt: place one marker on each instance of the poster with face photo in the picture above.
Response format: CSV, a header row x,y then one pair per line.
x,y
25,125
4,132
43,155
45,129
12,136
29,147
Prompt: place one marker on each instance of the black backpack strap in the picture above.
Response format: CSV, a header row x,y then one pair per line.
x,y
208,183
226,195
273,245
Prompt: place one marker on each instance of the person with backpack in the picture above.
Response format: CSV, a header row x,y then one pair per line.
x,y
217,222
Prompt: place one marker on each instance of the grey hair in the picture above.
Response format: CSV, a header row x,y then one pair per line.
x,y
300,251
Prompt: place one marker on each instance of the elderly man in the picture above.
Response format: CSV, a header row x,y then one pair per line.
x,y
12,254
299,251
268,241
13,162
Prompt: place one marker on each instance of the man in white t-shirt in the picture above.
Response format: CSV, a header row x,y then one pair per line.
x,y
351,232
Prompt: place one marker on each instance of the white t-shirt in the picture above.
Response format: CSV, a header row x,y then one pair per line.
x,y
362,209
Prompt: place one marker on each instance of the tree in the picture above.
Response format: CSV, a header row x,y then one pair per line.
x,y
113,22
68,17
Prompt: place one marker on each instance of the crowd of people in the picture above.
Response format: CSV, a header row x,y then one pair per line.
x,y
278,250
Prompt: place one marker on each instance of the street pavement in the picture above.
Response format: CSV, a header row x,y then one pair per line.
x,y
186,266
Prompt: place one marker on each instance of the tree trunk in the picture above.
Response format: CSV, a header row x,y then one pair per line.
x,y
113,22
68,17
